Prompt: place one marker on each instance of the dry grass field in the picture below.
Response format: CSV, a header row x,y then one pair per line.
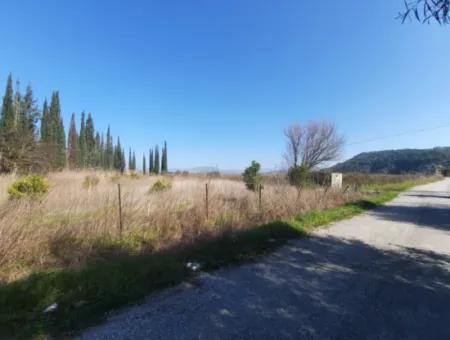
x,y
66,247
75,222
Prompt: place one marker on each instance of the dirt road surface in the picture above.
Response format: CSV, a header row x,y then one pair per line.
x,y
381,275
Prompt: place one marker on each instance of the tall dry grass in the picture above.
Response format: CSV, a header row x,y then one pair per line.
x,y
76,223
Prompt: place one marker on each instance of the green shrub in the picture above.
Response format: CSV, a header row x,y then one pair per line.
x,y
299,176
32,185
160,185
252,177
134,175
90,181
116,178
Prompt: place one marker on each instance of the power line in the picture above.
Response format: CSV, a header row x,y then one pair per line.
x,y
399,134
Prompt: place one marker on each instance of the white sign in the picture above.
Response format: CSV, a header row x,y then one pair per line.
x,y
336,180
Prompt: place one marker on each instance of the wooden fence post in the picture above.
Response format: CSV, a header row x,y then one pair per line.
x,y
120,211
206,201
324,196
260,201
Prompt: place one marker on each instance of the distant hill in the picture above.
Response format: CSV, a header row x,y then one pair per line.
x,y
203,169
209,169
397,161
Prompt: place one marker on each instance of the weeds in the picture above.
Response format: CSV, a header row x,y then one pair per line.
x,y
160,185
90,181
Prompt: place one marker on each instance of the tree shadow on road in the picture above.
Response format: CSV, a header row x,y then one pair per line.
x,y
436,217
427,194
320,287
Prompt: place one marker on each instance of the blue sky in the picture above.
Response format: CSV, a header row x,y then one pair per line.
x,y
221,79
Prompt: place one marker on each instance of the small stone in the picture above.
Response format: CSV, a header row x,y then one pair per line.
x,y
194,266
53,307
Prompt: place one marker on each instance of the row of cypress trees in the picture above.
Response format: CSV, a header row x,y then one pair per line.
x,y
18,131
89,148
53,136
155,166
25,147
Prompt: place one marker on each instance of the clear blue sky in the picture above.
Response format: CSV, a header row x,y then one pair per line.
x,y
219,80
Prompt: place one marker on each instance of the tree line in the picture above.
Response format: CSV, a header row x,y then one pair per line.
x,y
90,149
156,165
24,147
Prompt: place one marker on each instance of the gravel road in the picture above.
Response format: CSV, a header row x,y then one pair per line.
x,y
381,275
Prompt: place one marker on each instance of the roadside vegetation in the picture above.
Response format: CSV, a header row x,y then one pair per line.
x,y
66,248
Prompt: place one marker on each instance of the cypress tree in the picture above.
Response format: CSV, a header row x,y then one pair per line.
x,y
144,165
8,156
103,160
118,156
164,168
134,161
109,150
62,147
8,114
150,161
90,142
61,141
162,159
122,160
73,146
29,114
82,142
45,122
97,151
130,160
53,118
156,164
57,136
25,140
18,109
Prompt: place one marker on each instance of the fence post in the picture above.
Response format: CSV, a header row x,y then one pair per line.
x,y
260,201
346,191
120,211
206,201
324,196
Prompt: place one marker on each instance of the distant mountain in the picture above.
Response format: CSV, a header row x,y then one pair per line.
x,y
397,161
197,170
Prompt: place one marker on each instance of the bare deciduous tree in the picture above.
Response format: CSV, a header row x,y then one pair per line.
x,y
313,144
294,134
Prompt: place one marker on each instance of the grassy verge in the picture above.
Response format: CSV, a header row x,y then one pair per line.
x,y
85,295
